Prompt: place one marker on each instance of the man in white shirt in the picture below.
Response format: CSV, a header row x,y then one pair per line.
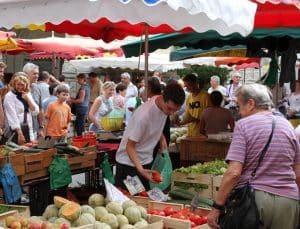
x,y
135,154
131,90
215,86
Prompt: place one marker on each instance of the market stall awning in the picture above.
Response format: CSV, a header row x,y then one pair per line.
x,y
224,16
226,51
211,39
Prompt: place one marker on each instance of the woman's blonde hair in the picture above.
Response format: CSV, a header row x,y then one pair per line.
x,y
19,77
109,84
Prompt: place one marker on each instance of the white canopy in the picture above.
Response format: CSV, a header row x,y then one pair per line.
x,y
224,16
158,62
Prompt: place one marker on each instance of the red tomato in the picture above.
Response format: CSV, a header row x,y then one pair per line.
x,y
193,224
185,211
153,211
144,194
169,211
161,213
156,177
196,219
204,219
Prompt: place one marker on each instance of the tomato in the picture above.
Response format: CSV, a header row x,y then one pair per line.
x,y
185,212
196,219
169,211
161,213
193,224
204,219
144,194
153,211
156,176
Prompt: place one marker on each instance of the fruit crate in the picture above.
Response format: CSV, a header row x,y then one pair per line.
x,y
200,149
204,180
161,205
22,210
6,214
140,200
81,162
216,185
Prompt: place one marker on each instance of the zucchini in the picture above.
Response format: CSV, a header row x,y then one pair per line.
x,y
12,145
181,194
32,150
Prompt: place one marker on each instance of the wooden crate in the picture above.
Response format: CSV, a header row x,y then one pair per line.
x,y
22,210
140,200
216,185
199,149
162,205
88,149
38,161
6,214
80,162
204,179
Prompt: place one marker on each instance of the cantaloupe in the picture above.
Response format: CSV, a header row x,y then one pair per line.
x,y
127,226
96,200
100,212
111,220
143,212
128,203
85,219
133,214
59,201
50,211
87,209
141,224
122,220
60,221
70,211
114,208
98,225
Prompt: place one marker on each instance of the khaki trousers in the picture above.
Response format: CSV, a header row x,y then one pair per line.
x,y
277,212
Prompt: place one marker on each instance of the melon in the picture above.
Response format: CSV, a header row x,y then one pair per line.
x,y
98,225
141,224
52,219
87,209
59,201
122,220
111,220
85,219
143,212
50,211
60,221
70,211
96,200
100,212
114,208
127,204
127,226
133,214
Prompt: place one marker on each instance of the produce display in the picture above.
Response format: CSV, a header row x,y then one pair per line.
x,y
217,167
183,214
102,214
177,134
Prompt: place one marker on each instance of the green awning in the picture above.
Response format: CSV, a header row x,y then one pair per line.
x,y
267,38
184,53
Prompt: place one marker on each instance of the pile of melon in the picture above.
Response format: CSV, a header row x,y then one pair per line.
x,y
177,134
100,212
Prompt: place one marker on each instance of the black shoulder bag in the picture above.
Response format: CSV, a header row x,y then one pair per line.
x,y
240,207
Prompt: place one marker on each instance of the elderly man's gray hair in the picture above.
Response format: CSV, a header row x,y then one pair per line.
x,y
29,67
215,78
258,92
125,74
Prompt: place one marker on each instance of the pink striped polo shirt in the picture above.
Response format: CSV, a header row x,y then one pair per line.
x,y
275,174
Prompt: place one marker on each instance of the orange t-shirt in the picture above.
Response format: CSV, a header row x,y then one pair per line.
x,y
59,116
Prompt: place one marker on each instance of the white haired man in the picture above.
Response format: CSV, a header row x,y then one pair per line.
x,y
32,71
215,86
132,90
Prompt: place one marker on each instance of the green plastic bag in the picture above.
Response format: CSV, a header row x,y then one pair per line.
x,y
163,164
106,169
60,172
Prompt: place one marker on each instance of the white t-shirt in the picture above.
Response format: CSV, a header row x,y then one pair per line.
x,y
294,102
131,91
145,127
219,88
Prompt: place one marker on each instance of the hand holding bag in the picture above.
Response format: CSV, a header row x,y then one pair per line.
x,y
240,207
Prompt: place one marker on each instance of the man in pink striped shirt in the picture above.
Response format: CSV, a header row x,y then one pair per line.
x,y
278,177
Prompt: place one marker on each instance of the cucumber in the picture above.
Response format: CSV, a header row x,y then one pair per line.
x,y
205,201
12,144
181,194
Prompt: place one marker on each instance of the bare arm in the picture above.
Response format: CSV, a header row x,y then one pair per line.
x,y
132,154
93,111
80,98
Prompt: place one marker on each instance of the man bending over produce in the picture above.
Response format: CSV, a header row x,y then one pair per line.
x,y
135,154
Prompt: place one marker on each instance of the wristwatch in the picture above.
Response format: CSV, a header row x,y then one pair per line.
x,y
218,206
